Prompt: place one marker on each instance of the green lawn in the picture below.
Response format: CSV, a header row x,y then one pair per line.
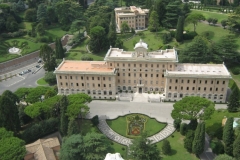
x,y
55,32
207,14
80,50
214,124
119,125
25,25
178,150
25,45
41,81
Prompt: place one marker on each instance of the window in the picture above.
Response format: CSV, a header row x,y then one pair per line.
x,y
222,89
204,88
129,74
93,85
210,88
187,88
118,64
151,82
140,65
188,81
98,85
60,77
216,89
140,75
71,84
110,64
200,81
70,77
180,95
129,81
87,84
223,82
151,75
134,65
76,77
123,74
61,83
181,88
157,65
82,84
98,78
170,66
104,78
170,87
105,92
92,78
104,85
128,64
182,81
211,82
176,81
66,84
170,80
199,88
175,87
65,77
110,85
87,78
193,81
89,92
169,95
217,82
110,92
205,81
109,78
163,66
145,75
193,88
162,75
146,65
119,81
151,65
118,74
156,75
123,65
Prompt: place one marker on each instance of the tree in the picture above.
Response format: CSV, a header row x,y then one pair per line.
x,y
42,13
11,147
193,124
214,21
153,23
188,140
51,14
160,7
124,27
194,18
233,20
98,40
183,128
223,157
199,139
59,49
166,148
11,24
14,98
64,119
209,20
40,29
50,78
177,123
76,26
228,136
224,23
236,147
46,53
190,108
9,114
119,43
21,93
72,148
30,15
172,13
234,100
180,27
95,146
142,149
73,127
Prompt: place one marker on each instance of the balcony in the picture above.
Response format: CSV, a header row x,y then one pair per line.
x,y
140,85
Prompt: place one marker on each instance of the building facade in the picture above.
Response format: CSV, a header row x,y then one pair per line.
x,y
143,72
135,17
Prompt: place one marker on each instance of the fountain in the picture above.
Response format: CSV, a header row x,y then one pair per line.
x,y
14,50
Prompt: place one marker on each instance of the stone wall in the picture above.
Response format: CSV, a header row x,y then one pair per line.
x,y
25,60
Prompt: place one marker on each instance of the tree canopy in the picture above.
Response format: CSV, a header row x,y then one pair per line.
x,y
190,108
194,18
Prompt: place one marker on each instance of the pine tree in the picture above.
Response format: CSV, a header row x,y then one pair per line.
x,y
198,141
236,147
180,26
153,23
234,100
64,119
228,136
188,140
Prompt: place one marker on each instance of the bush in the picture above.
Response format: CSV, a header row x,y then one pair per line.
x,y
95,120
19,33
42,39
166,148
86,58
40,129
50,78
183,128
235,71
217,147
177,123
189,35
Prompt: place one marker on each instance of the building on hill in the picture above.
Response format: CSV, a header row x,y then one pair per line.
x,y
135,17
143,72
43,149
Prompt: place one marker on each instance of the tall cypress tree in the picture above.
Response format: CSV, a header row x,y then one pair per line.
x,y
180,26
228,136
234,100
56,48
198,142
236,147
188,140
112,36
61,50
64,119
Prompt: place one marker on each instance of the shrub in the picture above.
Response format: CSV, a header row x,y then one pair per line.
x,y
189,35
217,147
86,58
166,38
42,39
177,123
235,71
183,128
40,129
166,148
95,120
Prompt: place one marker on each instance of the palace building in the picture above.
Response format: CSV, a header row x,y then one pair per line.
x,y
143,72
135,17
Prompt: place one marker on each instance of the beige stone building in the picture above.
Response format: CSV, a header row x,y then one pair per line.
x,y
140,71
135,17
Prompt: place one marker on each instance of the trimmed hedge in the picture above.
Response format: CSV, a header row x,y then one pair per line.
x,y
38,130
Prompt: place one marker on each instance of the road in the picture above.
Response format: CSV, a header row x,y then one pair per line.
x,y
26,80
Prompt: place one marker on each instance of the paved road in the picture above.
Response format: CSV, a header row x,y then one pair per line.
x,y
207,154
27,80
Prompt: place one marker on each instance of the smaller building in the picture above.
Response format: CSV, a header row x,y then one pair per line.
x,y
135,17
43,149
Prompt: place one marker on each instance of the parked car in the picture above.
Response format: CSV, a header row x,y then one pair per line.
x,y
37,66
39,60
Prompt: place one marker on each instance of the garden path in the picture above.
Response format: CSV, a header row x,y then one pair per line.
x,y
105,129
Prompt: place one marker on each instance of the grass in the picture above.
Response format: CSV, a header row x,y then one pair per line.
x,y
25,25
55,32
207,14
41,81
80,50
178,150
119,125
25,45
215,123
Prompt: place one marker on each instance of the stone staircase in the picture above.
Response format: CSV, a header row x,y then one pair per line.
x,y
140,97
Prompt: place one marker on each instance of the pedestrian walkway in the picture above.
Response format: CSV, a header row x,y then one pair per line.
x,y
105,129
